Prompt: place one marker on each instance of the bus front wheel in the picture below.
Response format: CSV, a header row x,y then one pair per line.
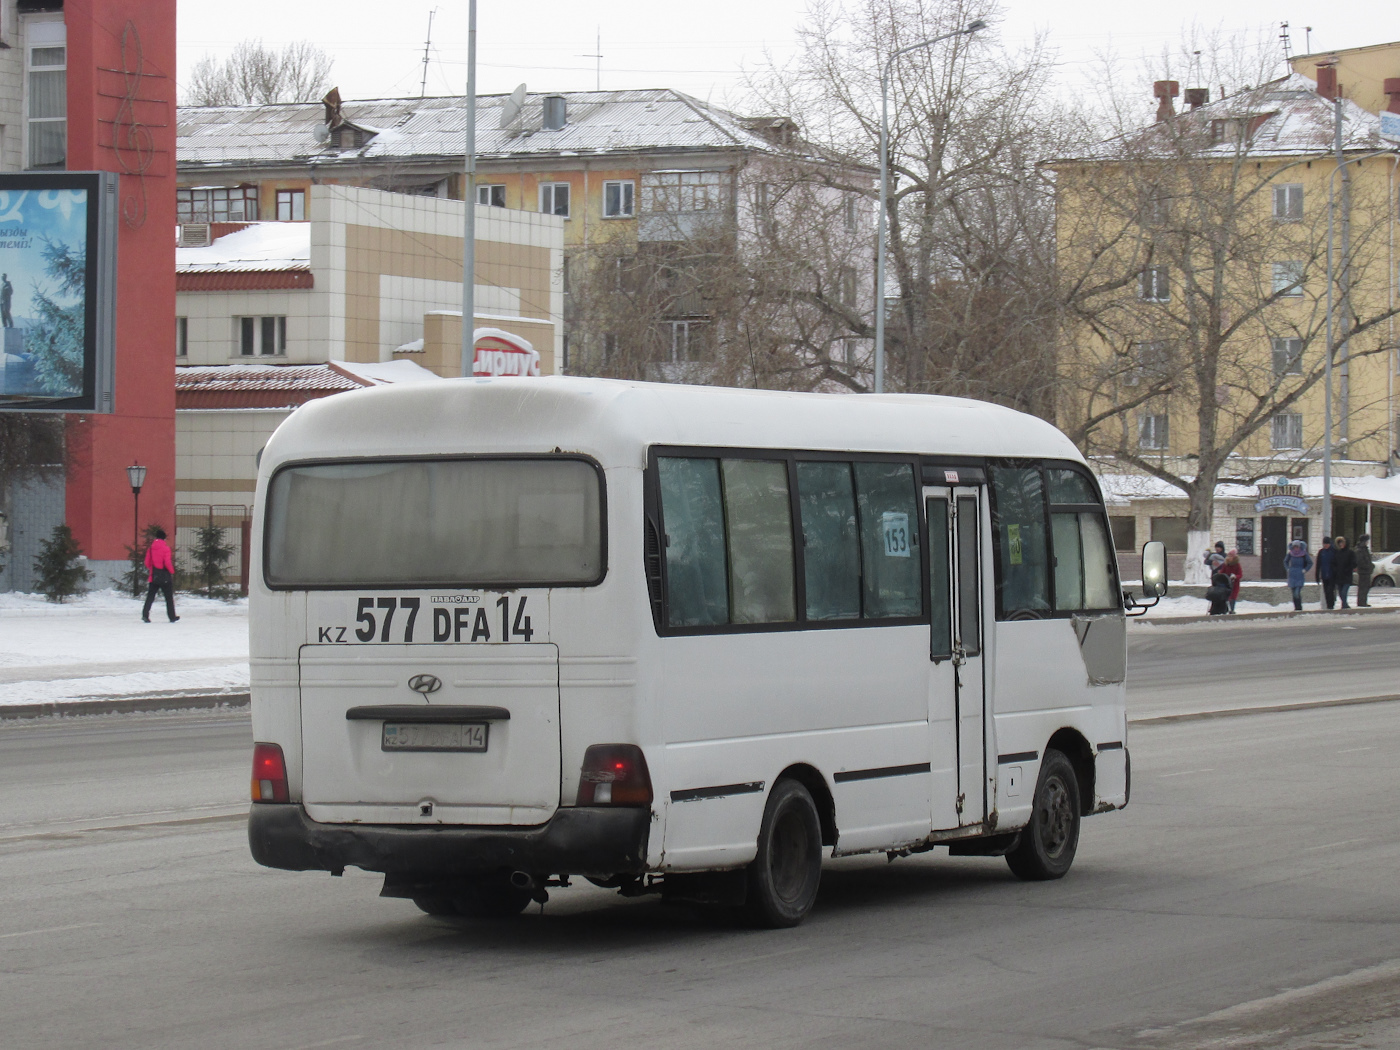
x,y
784,875
1049,840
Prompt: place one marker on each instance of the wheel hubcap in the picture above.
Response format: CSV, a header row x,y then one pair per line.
x,y
1056,817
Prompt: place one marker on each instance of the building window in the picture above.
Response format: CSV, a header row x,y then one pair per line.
x,y
291,205
554,198
1171,533
1150,361
617,199
1244,535
261,336
182,337
1288,278
1288,430
1152,430
1156,209
47,82
682,341
1288,202
1288,357
676,191
1154,285
1124,529
494,196
852,202
217,204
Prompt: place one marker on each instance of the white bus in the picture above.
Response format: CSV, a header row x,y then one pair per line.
x,y
675,639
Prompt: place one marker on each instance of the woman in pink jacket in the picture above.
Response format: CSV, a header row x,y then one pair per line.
x,y
162,570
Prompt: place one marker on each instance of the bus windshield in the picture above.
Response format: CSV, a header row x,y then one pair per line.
x,y
448,522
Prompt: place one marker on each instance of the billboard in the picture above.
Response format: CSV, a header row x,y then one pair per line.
x,y
58,266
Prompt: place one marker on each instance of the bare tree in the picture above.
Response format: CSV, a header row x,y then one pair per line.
x,y
1193,261
258,75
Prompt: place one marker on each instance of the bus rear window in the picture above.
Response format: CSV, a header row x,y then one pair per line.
x,y
464,522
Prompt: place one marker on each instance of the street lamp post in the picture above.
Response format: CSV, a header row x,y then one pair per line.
x,y
136,474
966,30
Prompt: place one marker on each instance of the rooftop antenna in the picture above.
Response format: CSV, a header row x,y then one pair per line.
x,y
598,55
1287,44
427,44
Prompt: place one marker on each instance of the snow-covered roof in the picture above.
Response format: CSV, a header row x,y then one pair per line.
x,y
598,122
258,247
379,373
263,377
1121,489
1285,117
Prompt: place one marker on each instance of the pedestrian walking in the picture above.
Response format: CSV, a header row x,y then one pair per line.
x,y
1233,569
1343,570
1297,561
1325,556
162,569
1218,593
1365,567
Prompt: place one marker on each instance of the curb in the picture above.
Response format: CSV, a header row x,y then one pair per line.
x,y
1287,614
1270,709
122,705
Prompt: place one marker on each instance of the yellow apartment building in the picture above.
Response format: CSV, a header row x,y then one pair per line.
x,y
1196,255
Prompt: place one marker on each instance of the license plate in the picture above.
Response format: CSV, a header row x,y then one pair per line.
x,y
434,736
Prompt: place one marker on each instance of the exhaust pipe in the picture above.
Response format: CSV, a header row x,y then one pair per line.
x,y
523,880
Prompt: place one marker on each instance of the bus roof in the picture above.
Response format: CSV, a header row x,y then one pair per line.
x,y
616,421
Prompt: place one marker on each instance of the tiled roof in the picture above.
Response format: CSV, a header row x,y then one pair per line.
x,y
261,385
263,377
598,122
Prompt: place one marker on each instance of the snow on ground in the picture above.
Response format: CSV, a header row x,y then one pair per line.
x,y
96,646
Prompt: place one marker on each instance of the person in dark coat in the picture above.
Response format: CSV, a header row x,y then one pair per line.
x,y
1343,570
1216,557
1325,557
1218,593
1297,562
1365,567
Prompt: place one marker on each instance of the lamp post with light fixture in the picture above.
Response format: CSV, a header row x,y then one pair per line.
x,y
136,474
967,30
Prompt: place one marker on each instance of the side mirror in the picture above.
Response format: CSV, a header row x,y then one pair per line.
x,y
1154,569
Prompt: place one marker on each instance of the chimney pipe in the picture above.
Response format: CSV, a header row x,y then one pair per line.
x,y
1392,88
555,113
1327,79
1197,97
1164,91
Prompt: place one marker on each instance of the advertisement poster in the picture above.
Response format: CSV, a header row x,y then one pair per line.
x,y
50,247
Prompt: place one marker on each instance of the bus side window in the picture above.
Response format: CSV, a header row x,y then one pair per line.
x,y
830,544
758,512
940,589
1018,524
693,514
889,526
1083,562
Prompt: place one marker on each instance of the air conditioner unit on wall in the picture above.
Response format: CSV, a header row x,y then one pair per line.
x,y
195,235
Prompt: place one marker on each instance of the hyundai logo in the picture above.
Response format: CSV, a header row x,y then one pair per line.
x,y
425,683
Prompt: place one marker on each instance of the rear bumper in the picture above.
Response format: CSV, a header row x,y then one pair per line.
x,y
580,841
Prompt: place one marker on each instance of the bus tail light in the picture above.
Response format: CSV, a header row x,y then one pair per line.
x,y
269,774
614,775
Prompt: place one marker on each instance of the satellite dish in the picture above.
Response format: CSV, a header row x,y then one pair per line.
x,y
511,107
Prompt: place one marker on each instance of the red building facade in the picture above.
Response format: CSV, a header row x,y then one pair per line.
x,y
121,117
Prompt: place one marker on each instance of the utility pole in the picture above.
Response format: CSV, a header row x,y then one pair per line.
x,y
469,200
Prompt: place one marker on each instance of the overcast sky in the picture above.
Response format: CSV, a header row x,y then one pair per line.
x,y
700,48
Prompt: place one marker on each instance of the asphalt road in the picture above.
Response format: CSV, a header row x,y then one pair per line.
x,y
1246,899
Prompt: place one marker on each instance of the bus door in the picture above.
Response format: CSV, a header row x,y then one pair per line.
x,y
957,714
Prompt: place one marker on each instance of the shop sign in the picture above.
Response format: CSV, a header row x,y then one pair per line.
x,y
1296,504
501,353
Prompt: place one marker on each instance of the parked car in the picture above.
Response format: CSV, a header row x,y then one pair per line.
x,y
1387,572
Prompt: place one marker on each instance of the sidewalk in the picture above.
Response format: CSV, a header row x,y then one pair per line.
x,y
94,652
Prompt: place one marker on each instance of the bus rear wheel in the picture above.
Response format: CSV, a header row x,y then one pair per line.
x,y
787,870
1049,841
